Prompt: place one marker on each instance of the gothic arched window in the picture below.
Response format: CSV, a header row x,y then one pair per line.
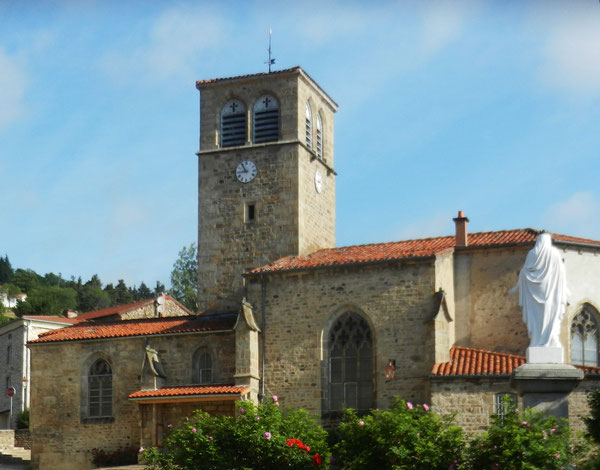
x,y
350,364
319,136
584,337
309,129
202,368
233,124
266,120
100,390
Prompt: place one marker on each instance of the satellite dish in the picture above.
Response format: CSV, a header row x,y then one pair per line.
x,y
161,308
160,300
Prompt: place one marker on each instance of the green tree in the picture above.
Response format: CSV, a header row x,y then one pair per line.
x,y
26,280
184,278
122,294
159,288
47,300
6,270
144,292
90,297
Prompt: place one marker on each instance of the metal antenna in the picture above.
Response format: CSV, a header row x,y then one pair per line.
x,y
271,61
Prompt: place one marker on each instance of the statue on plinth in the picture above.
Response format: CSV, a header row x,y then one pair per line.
x,y
543,295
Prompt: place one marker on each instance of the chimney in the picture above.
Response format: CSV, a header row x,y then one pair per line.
x,y
461,229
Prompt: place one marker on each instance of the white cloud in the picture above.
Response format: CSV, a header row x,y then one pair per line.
x,y
175,41
571,54
579,215
443,21
12,89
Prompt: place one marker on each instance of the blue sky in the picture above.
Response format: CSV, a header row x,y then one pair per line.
x,y
489,107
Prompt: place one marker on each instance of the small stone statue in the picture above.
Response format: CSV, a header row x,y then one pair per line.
x,y
543,294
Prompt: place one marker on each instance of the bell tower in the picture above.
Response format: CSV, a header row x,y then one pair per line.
x,y
266,180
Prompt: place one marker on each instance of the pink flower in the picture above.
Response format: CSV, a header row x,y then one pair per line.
x,y
194,430
409,405
210,438
256,417
553,430
169,425
267,435
557,456
425,406
275,398
141,450
361,423
241,411
276,403
523,423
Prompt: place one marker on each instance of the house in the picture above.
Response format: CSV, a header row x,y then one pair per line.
x,y
286,312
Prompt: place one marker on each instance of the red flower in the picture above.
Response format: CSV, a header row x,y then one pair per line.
x,y
317,459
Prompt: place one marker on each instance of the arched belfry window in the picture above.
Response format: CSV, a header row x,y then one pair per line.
x,y
584,337
350,364
309,127
233,124
319,136
202,368
100,390
266,120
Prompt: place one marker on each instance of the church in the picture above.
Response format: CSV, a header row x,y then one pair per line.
x,y
286,312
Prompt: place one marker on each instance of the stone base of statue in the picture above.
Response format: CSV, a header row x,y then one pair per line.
x,y
546,387
545,355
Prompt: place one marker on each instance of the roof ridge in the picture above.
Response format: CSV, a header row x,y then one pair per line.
x,y
486,351
250,75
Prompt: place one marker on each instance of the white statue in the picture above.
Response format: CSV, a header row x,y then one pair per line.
x,y
543,294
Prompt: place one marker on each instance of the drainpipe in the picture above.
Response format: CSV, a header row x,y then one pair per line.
x,y
263,288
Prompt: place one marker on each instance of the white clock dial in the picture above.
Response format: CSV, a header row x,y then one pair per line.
x,y
318,181
246,171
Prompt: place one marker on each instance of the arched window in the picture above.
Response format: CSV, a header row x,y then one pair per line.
x,y
319,136
309,136
266,120
202,369
584,337
233,124
350,365
100,390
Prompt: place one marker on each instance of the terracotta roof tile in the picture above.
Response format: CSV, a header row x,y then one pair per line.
x,y
120,309
467,362
253,75
140,327
408,249
187,390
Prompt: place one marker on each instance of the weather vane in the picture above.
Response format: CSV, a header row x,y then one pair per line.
x,y
271,60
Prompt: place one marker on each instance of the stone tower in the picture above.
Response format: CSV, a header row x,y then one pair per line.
x,y
266,183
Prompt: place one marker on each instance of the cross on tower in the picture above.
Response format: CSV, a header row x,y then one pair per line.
x,y
266,102
233,106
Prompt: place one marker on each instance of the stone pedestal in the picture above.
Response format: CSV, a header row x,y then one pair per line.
x,y
545,355
546,387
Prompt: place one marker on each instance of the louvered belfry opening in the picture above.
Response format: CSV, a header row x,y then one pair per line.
x,y
309,138
319,136
350,348
266,120
233,124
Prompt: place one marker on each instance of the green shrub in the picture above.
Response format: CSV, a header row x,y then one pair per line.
x,y
259,437
405,437
23,419
593,421
525,441
121,456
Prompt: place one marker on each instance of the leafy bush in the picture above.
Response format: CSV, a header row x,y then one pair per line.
x,y
525,441
406,437
593,421
121,456
259,437
23,419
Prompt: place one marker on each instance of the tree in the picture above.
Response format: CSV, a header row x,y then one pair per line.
x,y
184,278
48,300
159,288
6,270
90,297
26,280
144,292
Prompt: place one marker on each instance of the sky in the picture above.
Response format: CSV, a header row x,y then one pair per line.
x,y
490,107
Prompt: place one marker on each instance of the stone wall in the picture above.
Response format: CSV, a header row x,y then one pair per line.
x,y
7,438
172,309
23,438
12,370
578,402
395,299
62,436
471,399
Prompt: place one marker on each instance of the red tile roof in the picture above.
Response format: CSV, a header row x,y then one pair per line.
x,y
405,250
190,390
467,362
52,318
140,327
121,309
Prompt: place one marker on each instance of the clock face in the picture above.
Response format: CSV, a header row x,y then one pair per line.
x,y
318,181
246,171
